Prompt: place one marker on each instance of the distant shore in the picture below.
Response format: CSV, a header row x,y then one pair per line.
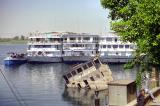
x,y
12,41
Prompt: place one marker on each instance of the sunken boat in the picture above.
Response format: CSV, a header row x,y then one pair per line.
x,y
91,75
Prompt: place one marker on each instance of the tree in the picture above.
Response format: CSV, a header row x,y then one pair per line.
x,y
22,37
16,38
137,21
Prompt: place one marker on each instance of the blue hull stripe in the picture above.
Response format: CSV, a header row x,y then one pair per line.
x,y
14,62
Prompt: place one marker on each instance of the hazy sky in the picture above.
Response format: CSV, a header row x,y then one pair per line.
x,y
23,16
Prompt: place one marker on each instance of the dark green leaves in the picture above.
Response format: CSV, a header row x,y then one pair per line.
x,y
137,21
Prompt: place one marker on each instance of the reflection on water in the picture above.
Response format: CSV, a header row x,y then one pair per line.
x,y
77,96
82,97
118,72
42,84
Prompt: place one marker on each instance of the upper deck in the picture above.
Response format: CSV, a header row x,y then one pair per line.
x,y
51,38
69,38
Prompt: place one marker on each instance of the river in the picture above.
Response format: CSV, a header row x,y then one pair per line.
x,y
42,84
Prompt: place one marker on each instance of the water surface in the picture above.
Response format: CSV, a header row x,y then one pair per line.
x,y
42,84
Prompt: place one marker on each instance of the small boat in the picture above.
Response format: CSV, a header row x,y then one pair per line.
x,y
15,59
91,74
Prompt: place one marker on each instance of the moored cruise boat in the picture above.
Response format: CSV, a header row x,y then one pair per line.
x,y
79,47
15,59
69,47
45,48
113,50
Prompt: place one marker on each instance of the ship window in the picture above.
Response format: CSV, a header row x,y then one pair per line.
x,y
85,67
115,46
108,39
108,46
86,82
61,39
47,46
126,46
66,79
97,61
121,46
92,79
90,64
95,38
115,39
69,75
104,46
37,39
72,38
73,72
50,39
79,70
79,38
97,45
86,38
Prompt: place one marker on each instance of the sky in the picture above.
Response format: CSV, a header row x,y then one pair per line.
x,y
20,17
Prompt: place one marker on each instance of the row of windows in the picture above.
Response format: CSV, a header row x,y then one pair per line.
x,y
44,46
73,38
80,45
79,38
79,70
116,46
85,66
45,39
94,38
109,39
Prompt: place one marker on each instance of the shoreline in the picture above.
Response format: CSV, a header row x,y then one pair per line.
x,y
14,42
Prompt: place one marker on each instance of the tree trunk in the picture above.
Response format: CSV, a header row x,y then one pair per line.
x,y
154,82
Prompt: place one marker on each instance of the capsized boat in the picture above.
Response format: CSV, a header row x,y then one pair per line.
x,y
15,59
91,75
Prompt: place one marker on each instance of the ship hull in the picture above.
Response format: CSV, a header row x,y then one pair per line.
x,y
14,62
75,59
44,59
116,59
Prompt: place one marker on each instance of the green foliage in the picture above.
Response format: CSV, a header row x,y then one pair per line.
x,y
137,21
129,65
138,79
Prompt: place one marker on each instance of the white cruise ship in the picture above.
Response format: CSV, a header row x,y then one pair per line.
x,y
79,47
69,47
45,48
113,50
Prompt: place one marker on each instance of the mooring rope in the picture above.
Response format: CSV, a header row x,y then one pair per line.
x,y
12,90
22,100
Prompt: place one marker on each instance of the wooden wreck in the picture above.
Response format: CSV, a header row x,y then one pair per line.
x,y
91,75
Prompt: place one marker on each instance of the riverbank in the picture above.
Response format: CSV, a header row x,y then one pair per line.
x,y
12,41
